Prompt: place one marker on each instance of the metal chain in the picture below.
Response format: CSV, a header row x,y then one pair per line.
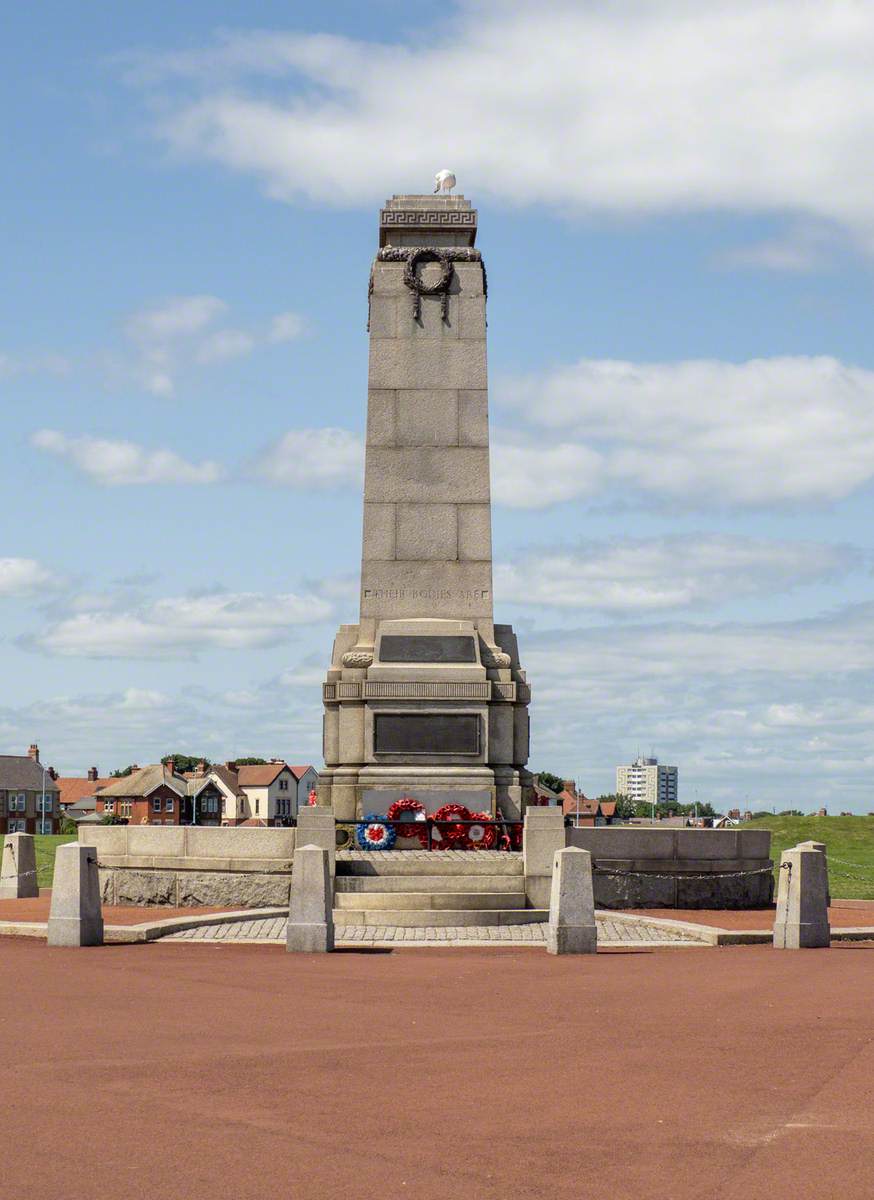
x,y
711,875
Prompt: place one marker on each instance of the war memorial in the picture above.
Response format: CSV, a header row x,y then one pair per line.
x,y
424,805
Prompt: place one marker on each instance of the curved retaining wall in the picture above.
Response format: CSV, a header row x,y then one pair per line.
x,y
191,865
646,867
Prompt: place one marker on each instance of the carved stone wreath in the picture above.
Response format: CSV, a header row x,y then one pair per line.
x,y
452,254
417,285
357,658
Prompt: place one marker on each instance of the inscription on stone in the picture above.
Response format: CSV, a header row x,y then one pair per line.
x,y
461,596
422,648
426,733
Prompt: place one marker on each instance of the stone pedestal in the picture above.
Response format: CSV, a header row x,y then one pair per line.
x,y
425,696
75,916
571,928
18,870
802,901
542,837
316,827
311,912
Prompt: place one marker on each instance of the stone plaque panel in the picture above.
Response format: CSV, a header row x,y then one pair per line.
x,y
426,733
426,648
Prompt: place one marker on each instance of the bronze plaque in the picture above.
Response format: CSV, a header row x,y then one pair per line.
x,y
426,733
426,648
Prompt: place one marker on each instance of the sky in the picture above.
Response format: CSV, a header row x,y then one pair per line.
x,y
675,212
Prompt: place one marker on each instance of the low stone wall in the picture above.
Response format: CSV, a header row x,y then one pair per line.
x,y
647,867
186,866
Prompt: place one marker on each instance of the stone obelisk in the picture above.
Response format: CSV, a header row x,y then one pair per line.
x,y
425,696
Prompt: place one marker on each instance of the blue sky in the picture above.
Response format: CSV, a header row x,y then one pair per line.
x,y
675,213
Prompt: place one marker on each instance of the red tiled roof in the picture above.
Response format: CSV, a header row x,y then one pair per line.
x,y
259,776
73,789
299,772
608,808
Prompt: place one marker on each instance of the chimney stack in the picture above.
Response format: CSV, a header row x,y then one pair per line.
x,y
201,768
92,774
170,765
33,752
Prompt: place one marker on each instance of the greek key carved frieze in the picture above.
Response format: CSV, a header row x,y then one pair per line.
x,y
438,217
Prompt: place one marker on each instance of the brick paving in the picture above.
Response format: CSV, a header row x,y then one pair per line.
x,y
273,929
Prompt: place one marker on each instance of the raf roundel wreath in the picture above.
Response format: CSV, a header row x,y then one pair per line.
x,y
373,833
484,836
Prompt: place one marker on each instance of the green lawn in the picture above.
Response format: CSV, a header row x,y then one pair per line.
x,y
46,844
849,842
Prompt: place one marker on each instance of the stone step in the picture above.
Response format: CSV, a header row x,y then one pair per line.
x,y
371,884
421,862
433,900
424,918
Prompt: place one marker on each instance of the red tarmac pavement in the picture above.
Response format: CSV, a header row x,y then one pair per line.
x,y
37,909
204,1072
843,914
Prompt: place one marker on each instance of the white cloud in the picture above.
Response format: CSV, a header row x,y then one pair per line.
x,y
664,573
752,106
183,331
224,344
181,627
313,458
287,327
24,577
768,431
117,463
180,316
528,477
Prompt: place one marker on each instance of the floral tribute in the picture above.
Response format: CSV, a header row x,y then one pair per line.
x,y
412,813
312,798
374,834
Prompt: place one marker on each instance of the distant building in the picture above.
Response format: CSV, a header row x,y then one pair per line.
x,y
28,794
77,796
267,794
648,781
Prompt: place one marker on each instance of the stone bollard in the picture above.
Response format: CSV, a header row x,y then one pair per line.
x,y
75,916
543,834
820,846
18,872
316,827
802,894
311,911
572,928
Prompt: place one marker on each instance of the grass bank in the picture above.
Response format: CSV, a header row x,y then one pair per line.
x,y
850,845
46,845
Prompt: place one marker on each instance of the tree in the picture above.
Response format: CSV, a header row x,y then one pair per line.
x,y
553,782
123,773
250,762
184,762
625,806
112,819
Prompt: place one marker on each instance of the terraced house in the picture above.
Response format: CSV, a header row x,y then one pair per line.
x,y
28,794
265,794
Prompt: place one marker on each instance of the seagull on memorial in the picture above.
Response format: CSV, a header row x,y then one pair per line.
x,y
445,181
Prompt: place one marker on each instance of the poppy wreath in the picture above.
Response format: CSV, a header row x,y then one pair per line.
x,y
417,285
415,827
373,833
452,836
484,836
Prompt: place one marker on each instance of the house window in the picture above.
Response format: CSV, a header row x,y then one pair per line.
x,y
17,826
169,804
257,807
283,785
109,806
223,806
156,804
